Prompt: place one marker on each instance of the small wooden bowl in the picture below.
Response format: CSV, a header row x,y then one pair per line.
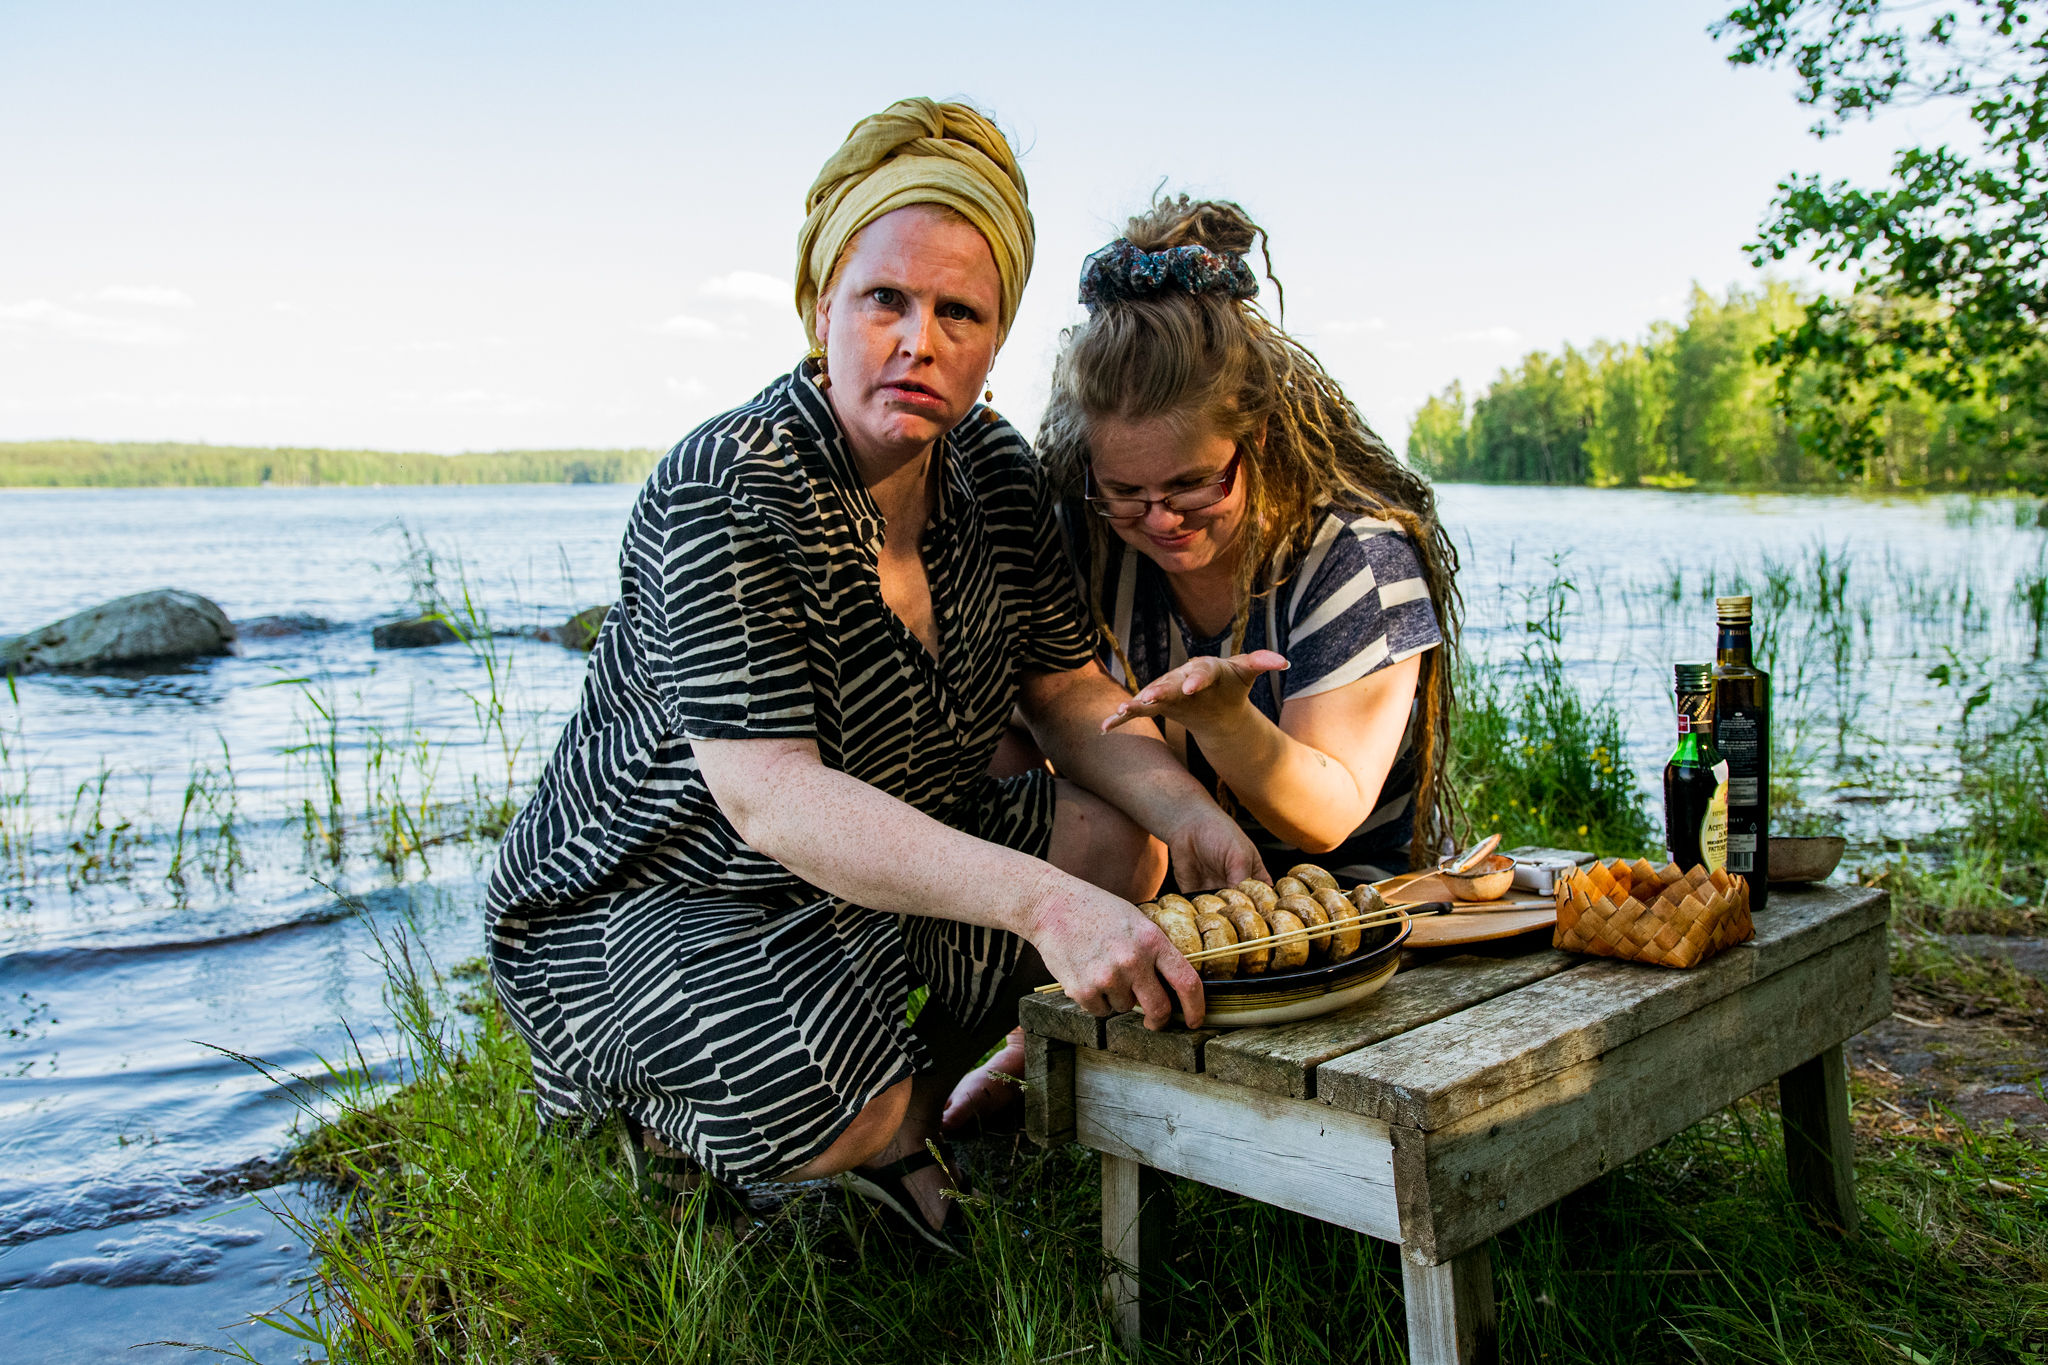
x,y
1805,860
1487,882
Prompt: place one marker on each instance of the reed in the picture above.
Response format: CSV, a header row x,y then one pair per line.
x,y
17,809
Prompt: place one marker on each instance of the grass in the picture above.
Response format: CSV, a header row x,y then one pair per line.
x,y
466,1233
1534,759
1988,872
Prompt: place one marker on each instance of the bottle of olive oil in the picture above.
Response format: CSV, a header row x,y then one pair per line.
x,y
1742,732
1696,778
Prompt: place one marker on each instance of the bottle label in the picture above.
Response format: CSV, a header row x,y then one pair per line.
x,y
1741,849
1684,723
1714,825
1737,738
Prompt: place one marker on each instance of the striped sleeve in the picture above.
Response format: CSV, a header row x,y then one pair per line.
x,y
725,613
1364,605
1057,633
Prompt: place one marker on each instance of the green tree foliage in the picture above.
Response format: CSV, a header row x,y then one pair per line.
x,y
1952,295
1712,401
92,464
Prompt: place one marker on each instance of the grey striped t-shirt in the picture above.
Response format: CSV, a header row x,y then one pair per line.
x,y
1355,603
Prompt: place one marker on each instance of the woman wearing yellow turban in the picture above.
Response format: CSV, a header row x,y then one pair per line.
x,y
771,816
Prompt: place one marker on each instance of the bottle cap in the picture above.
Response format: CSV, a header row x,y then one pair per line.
x,y
1693,677
1732,610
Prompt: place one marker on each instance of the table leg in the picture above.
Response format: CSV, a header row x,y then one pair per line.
x,y
1137,1224
1450,1310
1820,1150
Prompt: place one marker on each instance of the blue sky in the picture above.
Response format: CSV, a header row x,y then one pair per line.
x,y
453,227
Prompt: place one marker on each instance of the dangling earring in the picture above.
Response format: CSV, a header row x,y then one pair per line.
x,y
817,353
988,414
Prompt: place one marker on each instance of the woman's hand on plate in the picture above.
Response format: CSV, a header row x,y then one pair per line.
x,y
1200,693
1209,849
1111,960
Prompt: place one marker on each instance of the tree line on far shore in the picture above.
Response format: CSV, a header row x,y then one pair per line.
x,y
1706,402
129,464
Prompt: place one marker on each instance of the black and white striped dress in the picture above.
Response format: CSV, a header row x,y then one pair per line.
x,y
654,961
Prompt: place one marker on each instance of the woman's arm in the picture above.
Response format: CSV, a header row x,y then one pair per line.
x,y
1313,778
1138,774
850,839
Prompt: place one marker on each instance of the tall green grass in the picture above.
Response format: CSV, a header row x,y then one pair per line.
x,y
466,1233
1987,871
1536,760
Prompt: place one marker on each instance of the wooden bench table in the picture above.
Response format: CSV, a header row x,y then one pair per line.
x,y
1465,1095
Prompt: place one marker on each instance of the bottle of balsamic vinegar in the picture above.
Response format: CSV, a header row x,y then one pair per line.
x,y
1696,778
1742,732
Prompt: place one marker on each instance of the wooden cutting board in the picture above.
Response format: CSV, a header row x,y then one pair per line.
x,y
1469,921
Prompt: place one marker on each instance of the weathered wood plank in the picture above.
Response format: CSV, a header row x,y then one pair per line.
x,y
1048,1090
1434,1075
1173,1047
1451,1317
1283,1059
1055,1016
1820,1150
1493,1168
1295,1154
1137,1235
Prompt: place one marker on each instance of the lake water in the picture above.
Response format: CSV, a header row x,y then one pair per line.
x,y
130,999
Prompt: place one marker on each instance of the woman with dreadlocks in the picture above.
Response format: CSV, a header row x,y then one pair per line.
x,y
1267,581
1266,578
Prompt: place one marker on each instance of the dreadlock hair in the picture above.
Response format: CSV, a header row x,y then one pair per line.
x,y
1206,356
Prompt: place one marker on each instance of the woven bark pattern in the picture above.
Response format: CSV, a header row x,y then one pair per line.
x,y
1650,914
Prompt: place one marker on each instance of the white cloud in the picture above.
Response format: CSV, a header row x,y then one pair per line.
x,y
1493,336
43,315
149,295
1351,328
692,388
750,286
683,325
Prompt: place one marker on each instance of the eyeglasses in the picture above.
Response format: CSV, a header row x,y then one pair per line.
x,y
1186,500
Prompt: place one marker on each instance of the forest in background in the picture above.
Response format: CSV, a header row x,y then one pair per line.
x,y
131,464
1701,402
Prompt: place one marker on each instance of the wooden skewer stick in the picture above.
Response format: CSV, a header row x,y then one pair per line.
x,y
1393,914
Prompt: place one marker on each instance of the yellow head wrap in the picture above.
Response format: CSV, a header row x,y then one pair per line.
x,y
917,151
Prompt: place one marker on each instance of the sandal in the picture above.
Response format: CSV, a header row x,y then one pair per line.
x,y
883,1185
670,1174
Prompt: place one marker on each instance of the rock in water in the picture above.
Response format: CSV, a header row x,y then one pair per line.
x,y
278,627
148,629
417,633
579,631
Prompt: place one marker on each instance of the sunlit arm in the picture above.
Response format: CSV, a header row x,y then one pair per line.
x,y
857,842
1313,778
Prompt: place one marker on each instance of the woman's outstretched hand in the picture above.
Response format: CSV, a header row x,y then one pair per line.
x,y
1200,693
1111,960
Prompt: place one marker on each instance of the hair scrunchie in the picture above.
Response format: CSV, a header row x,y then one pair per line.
x,y
1123,271
917,151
